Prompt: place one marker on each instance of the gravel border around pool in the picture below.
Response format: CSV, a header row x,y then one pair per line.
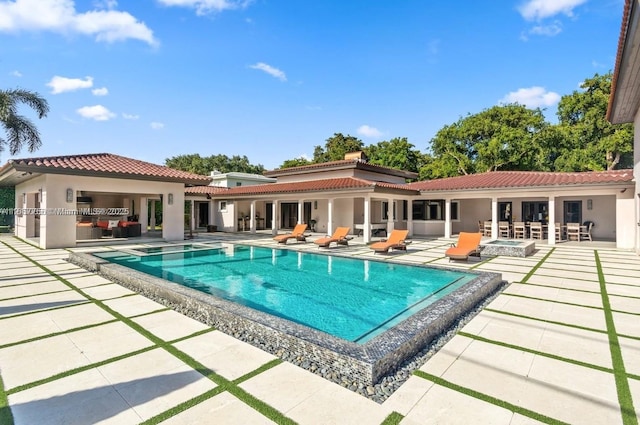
x,y
331,357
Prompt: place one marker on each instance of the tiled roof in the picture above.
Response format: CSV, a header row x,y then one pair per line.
x,y
210,190
336,184
343,163
514,179
105,165
624,28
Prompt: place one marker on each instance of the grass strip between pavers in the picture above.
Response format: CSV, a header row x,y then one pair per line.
x,y
258,405
622,384
258,371
6,417
528,297
537,266
536,352
507,313
489,399
50,335
394,418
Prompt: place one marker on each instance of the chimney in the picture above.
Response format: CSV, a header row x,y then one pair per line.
x,y
356,156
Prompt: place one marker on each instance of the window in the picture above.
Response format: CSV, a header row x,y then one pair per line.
x,y
223,206
385,210
434,210
238,183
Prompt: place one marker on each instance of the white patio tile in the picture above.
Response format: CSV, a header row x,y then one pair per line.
x,y
155,381
625,304
446,356
626,324
221,409
285,386
82,398
105,292
224,354
32,289
29,362
107,341
408,395
133,305
445,406
40,302
169,325
87,281
630,354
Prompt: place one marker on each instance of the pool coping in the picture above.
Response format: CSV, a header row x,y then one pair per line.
x,y
342,360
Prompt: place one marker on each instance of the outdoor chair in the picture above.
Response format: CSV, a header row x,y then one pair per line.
x,y
519,230
340,237
503,229
535,230
297,233
480,227
396,240
559,235
468,245
573,232
487,228
585,231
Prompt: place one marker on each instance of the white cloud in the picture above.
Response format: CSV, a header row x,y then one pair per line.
x,y
540,9
16,73
130,116
102,91
63,84
61,16
204,7
532,97
548,30
96,112
274,72
367,131
157,125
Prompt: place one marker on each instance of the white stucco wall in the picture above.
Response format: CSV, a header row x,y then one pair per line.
x,y
59,231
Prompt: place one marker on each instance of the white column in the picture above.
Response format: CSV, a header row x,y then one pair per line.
x,y
330,216
252,217
300,210
494,218
410,216
152,220
389,215
192,221
143,211
212,215
366,232
551,222
274,217
447,218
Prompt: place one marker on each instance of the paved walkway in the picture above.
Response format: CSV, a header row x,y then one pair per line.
x,y
560,345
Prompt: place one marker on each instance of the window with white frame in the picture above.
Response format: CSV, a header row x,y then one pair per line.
x,y
434,210
223,206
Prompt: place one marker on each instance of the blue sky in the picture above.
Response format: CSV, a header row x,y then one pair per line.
x,y
271,79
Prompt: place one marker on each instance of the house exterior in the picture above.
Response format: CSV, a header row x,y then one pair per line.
x,y
624,103
356,194
54,194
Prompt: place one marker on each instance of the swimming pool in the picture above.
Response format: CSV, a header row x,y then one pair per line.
x,y
378,350
348,298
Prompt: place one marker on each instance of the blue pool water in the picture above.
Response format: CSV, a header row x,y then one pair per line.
x,y
349,298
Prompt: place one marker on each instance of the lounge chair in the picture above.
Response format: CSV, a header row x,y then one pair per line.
x,y
339,237
297,233
468,245
396,240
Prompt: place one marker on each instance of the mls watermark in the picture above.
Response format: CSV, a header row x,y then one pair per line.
x,y
64,211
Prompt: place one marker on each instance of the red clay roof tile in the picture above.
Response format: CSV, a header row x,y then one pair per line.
x,y
103,164
512,179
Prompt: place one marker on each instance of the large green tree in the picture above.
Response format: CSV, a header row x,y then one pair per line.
x,y
395,153
588,140
295,162
335,148
20,130
504,137
194,163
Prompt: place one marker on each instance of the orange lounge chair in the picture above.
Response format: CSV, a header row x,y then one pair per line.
x,y
396,240
339,237
297,233
468,244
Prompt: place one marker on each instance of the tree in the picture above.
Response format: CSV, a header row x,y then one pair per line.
x,y
335,148
396,153
295,162
590,141
503,137
20,131
194,163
